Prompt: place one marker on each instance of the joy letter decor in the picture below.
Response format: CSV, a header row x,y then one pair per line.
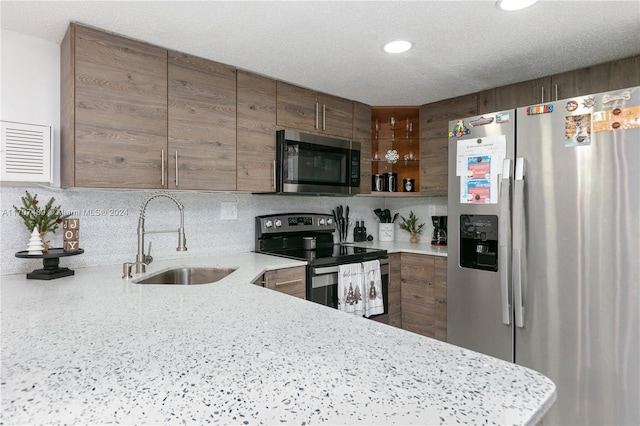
x,y
71,228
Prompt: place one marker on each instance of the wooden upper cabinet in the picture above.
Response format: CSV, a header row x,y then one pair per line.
x,y
113,110
434,140
256,132
297,107
515,95
362,135
598,78
336,116
201,124
309,111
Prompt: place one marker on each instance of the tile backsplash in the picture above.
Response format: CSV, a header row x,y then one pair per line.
x,y
109,218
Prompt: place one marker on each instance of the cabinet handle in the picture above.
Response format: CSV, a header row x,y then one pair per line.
x,y
177,179
162,168
299,280
317,112
542,100
324,117
556,92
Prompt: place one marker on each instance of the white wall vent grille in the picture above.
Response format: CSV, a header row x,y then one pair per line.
x,y
25,153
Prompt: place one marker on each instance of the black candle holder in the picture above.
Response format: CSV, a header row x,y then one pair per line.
x,y
50,263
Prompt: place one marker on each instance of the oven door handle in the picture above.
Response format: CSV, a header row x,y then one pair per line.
x,y
334,269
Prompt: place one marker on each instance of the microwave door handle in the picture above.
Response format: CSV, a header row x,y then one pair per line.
x,y
274,175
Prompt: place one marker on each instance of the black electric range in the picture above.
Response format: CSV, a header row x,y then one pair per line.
x,y
289,235
309,237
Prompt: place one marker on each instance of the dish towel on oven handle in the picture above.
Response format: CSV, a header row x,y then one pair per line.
x,y
373,297
350,289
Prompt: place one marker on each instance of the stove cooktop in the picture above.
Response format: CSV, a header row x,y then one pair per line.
x,y
331,255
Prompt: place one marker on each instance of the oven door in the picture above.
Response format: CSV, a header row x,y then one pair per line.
x,y
316,164
322,287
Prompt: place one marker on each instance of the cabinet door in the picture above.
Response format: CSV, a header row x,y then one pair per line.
x,y
297,108
515,95
119,111
256,132
395,284
598,78
362,135
434,139
291,281
202,124
336,116
418,293
441,298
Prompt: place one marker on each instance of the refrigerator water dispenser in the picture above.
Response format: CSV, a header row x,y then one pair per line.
x,y
479,242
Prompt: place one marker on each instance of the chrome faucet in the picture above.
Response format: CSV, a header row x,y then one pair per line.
x,y
142,259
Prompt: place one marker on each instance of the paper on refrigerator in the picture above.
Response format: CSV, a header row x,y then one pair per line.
x,y
479,162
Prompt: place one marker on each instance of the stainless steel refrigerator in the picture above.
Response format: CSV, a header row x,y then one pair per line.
x,y
544,248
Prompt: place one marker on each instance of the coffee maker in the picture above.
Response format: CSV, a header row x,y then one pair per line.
x,y
439,237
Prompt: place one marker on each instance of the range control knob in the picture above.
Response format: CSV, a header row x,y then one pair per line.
x,y
321,222
278,223
329,221
268,223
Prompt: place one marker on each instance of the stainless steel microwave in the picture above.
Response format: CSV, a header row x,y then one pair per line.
x,y
316,164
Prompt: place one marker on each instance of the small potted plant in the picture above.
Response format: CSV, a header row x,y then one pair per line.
x,y
411,226
45,219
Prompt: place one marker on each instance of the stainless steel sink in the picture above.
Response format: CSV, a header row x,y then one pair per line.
x,y
187,276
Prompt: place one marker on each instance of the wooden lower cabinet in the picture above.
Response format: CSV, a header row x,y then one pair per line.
x,y
424,294
441,298
395,299
291,281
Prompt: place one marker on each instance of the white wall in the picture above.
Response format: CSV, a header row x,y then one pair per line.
x,y
30,86
108,218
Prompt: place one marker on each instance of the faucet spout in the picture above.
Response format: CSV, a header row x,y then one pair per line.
x,y
142,259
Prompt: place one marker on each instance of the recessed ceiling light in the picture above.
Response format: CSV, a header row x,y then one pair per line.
x,y
511,5
397,46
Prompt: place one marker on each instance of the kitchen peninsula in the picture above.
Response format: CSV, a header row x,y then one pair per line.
x,y
94,348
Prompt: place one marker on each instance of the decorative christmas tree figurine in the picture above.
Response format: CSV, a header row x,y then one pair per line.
x,y
35,242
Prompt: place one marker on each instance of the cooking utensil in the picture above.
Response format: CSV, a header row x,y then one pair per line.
x,y
378,213
387,215
395,216
346,223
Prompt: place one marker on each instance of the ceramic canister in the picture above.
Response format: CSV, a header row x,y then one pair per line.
x,y
408,185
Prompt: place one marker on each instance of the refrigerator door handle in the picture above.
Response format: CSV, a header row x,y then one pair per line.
x,y
517,231
504,228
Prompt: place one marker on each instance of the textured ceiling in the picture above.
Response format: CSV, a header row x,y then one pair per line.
x,y
336,46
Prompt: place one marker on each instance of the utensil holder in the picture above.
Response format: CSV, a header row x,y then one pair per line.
x,y
386,231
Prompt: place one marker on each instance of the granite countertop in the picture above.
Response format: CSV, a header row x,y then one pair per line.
x,y
95,349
